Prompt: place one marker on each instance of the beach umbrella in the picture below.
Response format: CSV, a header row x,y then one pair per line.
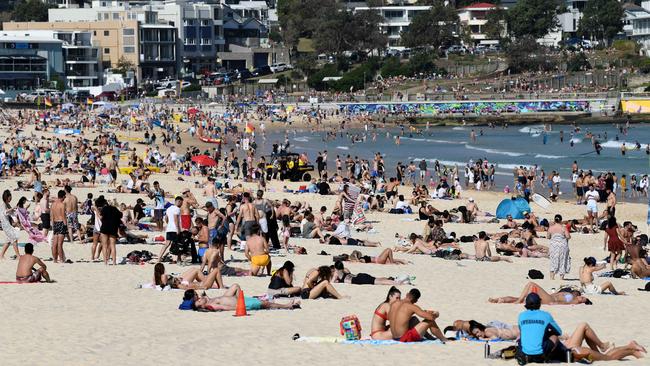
x,y
192,111
204,160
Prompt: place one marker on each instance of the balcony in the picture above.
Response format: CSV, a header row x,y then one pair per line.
x,y
80,60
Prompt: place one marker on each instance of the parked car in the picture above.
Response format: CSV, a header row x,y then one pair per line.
x,y
279,67
243,74
106,96
457,49
261,71
33,96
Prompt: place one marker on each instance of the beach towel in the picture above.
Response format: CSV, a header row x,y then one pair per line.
x,y
370,342
34,234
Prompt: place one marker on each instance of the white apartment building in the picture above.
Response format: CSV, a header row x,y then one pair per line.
x,y
396,20
474,18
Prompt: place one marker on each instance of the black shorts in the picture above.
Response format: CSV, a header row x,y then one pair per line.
x,y
60,228
390,194
45,219
363,279
304,293
171,236
351,241
580,191
113,173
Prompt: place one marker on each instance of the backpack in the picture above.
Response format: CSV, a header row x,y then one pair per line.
x,y
351,328
534,274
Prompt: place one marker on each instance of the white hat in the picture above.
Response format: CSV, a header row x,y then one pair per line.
x,y
471,199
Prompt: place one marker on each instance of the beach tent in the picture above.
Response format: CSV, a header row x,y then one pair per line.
x,y
514,207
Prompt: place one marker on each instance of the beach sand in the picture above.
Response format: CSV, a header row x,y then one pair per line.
x,y
94,315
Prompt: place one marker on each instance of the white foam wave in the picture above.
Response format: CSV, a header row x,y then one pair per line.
x,y
494,151
302,139
512,166
532,129
535,135
429,140
542,156
613,144
460,128
576,140
343,147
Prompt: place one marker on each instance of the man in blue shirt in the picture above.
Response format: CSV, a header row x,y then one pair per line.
x,y
539,334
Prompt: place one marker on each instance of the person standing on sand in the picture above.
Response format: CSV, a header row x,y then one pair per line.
x,y
25,271
189,203
71,203
158,196
7,227
172,216
257,251
59,227
559,248
248,216
399,317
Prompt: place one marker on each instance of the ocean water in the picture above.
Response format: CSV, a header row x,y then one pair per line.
x,y
507,148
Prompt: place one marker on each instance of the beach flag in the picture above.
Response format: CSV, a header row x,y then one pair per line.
x,y
249,128
89,101
48,102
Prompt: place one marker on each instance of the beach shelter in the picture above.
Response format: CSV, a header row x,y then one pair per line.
x,y
514,207
204,160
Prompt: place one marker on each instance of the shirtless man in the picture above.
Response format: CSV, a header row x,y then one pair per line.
x,y
210,192
44,204
610,209
247,217
399,317
112,169
189,203
71,203
483,252
262,205
257,251
228,301
214,218
200,232
25,272
59,227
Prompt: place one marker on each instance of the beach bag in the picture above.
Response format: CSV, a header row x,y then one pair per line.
x,y
351,328
534,274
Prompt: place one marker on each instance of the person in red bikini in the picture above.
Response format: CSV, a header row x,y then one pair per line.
x,y
401,312
379,329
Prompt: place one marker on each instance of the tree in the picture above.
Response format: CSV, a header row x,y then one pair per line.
x,y
365,33
534,18
432,28
525,54
30,11
301,18
123,66
601,20
578,62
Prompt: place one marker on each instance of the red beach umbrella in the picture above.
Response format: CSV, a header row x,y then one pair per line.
x,y
204,160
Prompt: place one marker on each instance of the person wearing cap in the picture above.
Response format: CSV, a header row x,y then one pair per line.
x,y
539,340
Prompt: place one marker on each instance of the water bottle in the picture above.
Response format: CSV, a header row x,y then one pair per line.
x,y
568,356
486,350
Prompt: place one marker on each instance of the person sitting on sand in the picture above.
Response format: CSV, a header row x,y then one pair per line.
x,y
587,279
385,257
257,250
190,279
379,329
25,271
399,317
483,252
510,223
317,284
417,246
212,259
343,275
571,297
282,282
228,302
640,267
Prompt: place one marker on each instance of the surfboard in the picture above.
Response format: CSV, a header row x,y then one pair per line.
x,y
541,201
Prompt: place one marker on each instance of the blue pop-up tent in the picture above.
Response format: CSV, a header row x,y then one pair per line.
x,y
514,207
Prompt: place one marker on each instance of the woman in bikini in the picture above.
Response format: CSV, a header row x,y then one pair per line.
x,y
317,284
190,279
379,329
385,257
557,298
418,246
343,275
587,279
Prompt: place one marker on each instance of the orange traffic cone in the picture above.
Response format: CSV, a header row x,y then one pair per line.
x,y
241,305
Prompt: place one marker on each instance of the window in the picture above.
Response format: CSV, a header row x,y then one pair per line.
x,y
107,51
394,14
205,23
128,31
190,41
206,41
116,16
107,33
129,49
188,22
105,16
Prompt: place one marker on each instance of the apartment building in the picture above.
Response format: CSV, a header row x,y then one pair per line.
x,y
396,20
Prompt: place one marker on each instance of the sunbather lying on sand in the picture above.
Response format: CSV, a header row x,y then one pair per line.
x,y
228,302
572,297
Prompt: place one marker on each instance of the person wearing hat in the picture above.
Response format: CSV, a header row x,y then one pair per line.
x,y
539,340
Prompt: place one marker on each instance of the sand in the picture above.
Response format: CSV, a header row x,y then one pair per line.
x,y
94,315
